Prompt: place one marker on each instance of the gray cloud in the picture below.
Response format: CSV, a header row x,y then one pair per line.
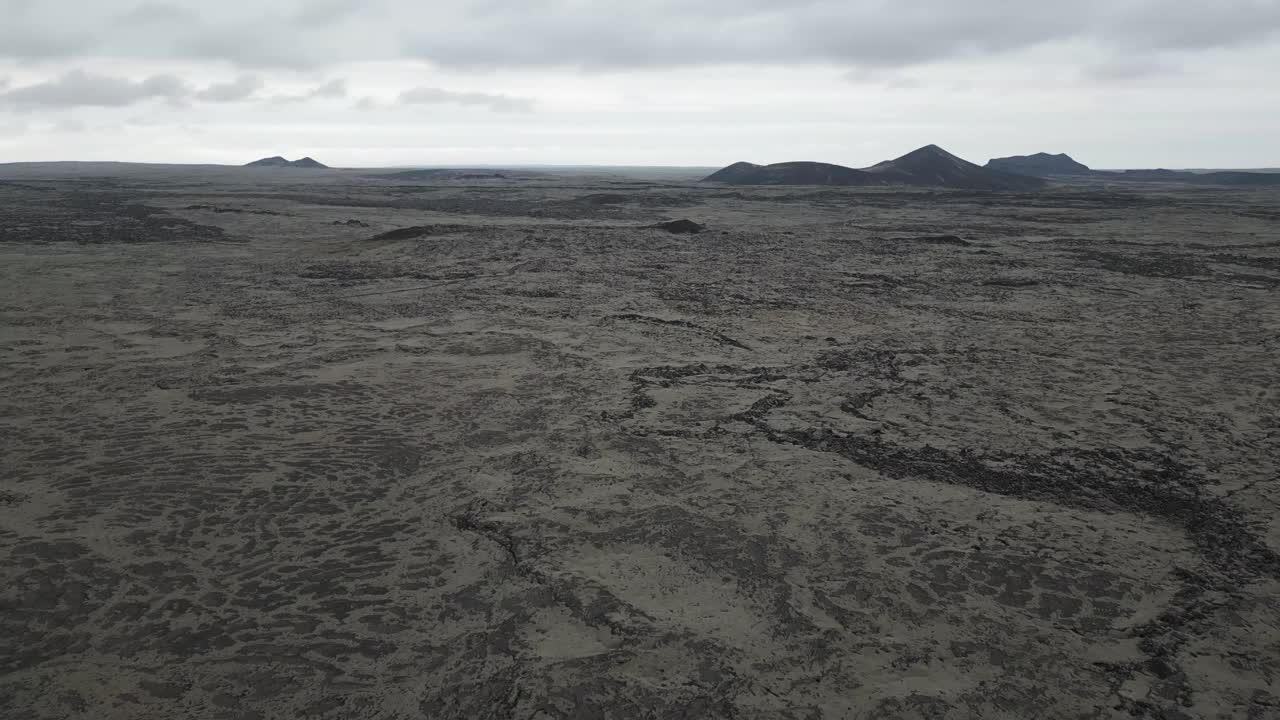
x,y
866,32
318,13
69,125
24,36
257,45
238,89
889,79
1125,71
619,33
83,89
156,13
333,89
436,96
78,88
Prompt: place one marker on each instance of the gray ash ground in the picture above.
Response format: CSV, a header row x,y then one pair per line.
x,y
335,446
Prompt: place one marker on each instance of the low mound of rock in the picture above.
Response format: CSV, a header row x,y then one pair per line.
x,y
1039,165
680,227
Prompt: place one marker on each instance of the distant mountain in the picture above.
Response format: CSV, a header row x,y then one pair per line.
x,y
933,166
1238,177
278,161
1158,175
1235,178
307,162
1045,165
793,173
444,174
1039,165
739,173
930,166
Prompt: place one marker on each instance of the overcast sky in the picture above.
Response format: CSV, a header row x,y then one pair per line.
x,y
1115,83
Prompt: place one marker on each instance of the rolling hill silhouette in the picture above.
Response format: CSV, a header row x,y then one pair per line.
x,y
1062,165
933,166
930,166
1236,178
278,161
1039,165
792,173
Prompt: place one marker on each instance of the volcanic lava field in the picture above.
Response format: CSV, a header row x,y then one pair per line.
x,y
284,443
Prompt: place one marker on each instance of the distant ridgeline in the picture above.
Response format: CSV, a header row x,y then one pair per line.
x,y
931,166
278,161
1045,165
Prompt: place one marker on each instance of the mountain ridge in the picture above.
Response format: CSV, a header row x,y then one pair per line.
x,y
929,166
1040,164
1044,165
278,161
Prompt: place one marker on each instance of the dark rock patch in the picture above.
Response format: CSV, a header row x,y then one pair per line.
x,y
220,210
603,199
418,231
955,240
1011,282
680,227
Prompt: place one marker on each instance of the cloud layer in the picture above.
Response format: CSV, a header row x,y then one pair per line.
x,y
238,89
614,33
79,88
1115,82
436,96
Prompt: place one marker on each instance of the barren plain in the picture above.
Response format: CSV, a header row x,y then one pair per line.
x,y
284,443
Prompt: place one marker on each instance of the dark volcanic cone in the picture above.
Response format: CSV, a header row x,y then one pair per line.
x,y
933,166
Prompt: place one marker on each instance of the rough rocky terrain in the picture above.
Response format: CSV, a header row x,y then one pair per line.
x,y
283,444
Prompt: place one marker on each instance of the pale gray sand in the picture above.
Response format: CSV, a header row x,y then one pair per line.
x,y
541,462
